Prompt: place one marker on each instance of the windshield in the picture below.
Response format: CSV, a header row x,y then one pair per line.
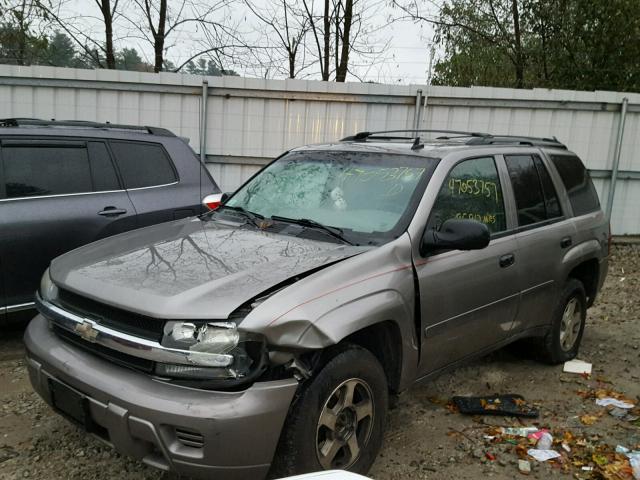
x,y
369,196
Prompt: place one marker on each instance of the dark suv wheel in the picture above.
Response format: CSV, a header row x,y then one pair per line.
x,y
338,420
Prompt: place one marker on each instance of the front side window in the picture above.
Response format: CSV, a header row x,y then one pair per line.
x,y
471,191
143,164
369,196
31,170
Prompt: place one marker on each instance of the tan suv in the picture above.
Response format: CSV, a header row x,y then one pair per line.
x,y
267,335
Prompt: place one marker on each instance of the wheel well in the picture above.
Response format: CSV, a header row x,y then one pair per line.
x,y
587,272
384,341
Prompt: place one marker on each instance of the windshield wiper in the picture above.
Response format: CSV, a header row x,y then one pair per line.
x,y
253,218
307,222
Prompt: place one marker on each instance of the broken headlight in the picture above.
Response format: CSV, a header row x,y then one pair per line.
x,y
214,350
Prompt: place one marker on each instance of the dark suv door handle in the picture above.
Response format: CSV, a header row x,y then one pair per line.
x,y
566,242
112,212
507,260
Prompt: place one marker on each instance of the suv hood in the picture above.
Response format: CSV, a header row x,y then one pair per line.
x,y
190,268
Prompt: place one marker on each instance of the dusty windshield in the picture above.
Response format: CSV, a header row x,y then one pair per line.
x,y
363,194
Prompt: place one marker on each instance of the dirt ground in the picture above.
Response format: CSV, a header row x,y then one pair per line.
x,y
424,438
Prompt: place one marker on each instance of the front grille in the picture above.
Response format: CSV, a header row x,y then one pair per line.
x,y
123,359
189,438
116,318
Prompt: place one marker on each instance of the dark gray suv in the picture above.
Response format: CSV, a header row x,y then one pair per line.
x,y
66,184
267,335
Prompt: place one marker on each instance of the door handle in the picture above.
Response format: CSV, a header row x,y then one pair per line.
x,y
566,242
507,260
112,212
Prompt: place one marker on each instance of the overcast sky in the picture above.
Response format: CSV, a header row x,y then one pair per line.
x,y
405,60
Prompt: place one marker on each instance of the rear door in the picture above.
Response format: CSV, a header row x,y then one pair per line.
x,y
544,235
468,299
58,195
153,182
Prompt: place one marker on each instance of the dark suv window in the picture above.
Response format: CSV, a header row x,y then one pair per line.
x,y
143,164
576,179
31,170
471,190
536,198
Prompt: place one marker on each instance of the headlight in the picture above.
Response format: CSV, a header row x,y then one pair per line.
x,y
217,350
48,290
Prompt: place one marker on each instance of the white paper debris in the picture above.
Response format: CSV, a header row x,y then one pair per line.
x,y
577,366
542,455
605,402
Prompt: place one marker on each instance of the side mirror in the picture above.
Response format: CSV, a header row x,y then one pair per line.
x,y
456,234
226,195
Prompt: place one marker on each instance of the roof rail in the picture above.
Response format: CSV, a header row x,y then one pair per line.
x,y
363,136
36,122
476,138
519,140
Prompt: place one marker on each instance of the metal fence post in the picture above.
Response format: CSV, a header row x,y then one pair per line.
x,y
203,121
616,157
418,113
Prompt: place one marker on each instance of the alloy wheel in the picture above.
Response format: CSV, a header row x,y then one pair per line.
x,y
345,424
570,324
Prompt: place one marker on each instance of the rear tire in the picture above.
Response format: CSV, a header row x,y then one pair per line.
x,y
562,342
338,420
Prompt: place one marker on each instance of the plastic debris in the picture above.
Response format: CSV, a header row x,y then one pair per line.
x,y
608,401
545,441
509,405
519,432
537,435
524,467
635,467
577,366
542,455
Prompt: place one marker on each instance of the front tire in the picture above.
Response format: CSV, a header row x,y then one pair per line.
x,y
563,340
338,420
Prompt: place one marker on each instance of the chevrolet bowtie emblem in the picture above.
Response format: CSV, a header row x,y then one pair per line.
x,y
86,331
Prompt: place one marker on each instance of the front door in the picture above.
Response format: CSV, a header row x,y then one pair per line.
x,y
468,299
58,195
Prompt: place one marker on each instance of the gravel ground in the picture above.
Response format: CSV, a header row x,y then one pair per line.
x,y
425,437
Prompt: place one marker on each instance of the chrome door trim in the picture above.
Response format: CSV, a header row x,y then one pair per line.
x,y
17,307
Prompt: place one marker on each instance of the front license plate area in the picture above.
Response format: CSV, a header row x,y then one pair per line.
x,y
70,403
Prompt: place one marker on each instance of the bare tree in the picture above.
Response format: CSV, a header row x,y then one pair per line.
x,y
285,26
108,10
340,29
100,53
160,24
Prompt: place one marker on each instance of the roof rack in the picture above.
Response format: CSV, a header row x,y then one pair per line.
x,y
36,122
474,138
363,136
519,140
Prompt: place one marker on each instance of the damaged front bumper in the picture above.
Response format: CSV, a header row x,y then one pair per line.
x,y
226,435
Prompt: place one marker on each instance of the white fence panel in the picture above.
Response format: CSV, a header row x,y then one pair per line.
x,y
250,121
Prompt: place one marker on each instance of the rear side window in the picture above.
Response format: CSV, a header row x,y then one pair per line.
x,y
576,179
103,173
143,164
45,170
551,202
527,189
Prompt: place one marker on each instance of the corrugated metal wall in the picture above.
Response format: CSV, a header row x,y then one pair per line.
x,y
250,121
